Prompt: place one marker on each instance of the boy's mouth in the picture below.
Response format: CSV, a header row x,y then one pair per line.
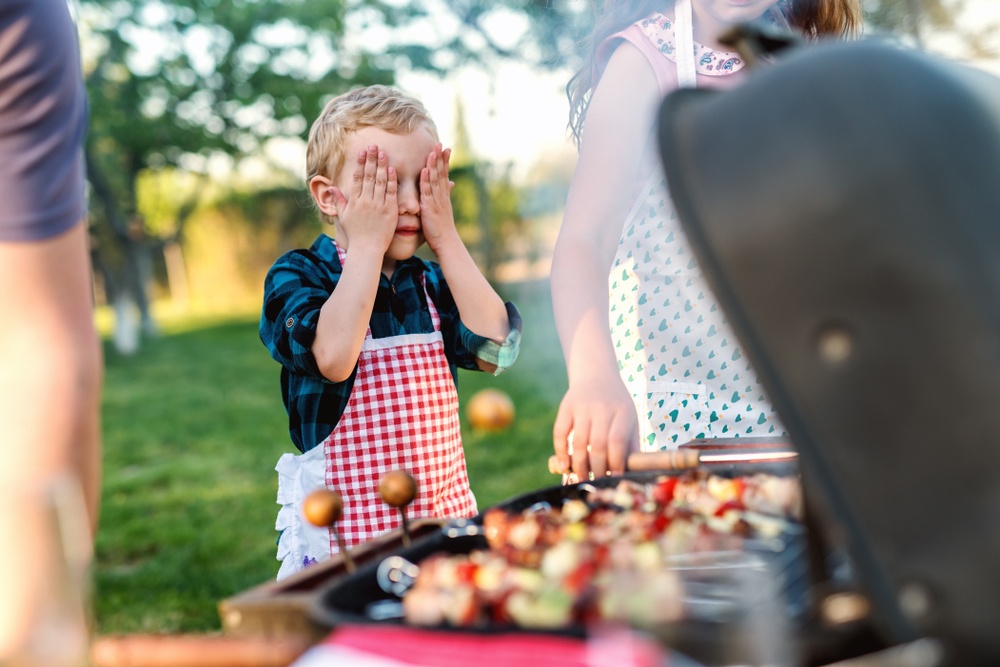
x,y
407,231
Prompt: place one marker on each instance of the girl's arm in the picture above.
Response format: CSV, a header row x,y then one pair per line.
x,y
597,409
369,220
482,310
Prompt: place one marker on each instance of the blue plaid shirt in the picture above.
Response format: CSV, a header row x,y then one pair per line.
x,y
298,285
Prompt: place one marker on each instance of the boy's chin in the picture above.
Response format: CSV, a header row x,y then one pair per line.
x,y
405,248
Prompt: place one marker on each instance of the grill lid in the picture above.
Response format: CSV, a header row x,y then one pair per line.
x,y
855,247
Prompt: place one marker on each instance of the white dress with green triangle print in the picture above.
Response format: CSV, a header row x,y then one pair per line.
x,y
676,352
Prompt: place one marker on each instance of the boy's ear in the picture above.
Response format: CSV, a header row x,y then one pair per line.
x,y
321,189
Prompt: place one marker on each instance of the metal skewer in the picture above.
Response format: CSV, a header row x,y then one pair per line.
x,y
398,489
323,508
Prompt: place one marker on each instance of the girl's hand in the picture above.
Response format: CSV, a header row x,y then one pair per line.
x,y
371,213
597,421
436,216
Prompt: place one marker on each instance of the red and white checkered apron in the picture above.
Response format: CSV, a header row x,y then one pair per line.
x,y
402,414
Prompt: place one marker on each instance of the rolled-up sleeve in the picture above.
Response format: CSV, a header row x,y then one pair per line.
x,y
293,297
476,352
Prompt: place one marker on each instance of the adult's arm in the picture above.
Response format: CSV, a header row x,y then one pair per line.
x,y
50,362
50,380
50,358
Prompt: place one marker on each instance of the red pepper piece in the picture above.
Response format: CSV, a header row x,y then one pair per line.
x,y
663,492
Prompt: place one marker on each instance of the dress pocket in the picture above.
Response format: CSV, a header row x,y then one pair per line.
x,y
676,412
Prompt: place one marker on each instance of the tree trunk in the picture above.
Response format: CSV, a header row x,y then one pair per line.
x,y
173,256
123,257
487,247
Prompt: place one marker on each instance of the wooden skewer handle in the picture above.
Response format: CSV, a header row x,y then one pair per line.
x,y
677,459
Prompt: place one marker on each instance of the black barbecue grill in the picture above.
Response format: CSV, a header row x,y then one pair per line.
x,y
369,596
855,248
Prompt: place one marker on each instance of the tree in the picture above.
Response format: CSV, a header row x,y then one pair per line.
x,y
188,84
173,84
920,20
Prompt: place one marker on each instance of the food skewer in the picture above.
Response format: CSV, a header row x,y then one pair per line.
x,y
677,459
323,508
398,489
687,458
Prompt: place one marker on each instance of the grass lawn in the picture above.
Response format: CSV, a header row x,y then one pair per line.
x,y
193,425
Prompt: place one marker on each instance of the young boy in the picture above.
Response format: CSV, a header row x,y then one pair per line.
x,y
369,336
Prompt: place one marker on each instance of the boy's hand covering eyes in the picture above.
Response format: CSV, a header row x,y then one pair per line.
x,y
436,216
372,211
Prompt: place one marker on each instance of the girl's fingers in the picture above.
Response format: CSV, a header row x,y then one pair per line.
x,y
577,441
620,442
598,452
581,449
561,431
597,443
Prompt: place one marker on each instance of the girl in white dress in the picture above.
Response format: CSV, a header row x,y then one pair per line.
x,y
651,361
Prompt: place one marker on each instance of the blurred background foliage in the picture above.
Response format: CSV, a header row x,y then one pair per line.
x,y
196,105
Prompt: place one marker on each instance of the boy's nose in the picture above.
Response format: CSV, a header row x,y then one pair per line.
x,y
408,200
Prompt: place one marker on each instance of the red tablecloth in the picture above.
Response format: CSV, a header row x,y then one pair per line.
x,y
397,646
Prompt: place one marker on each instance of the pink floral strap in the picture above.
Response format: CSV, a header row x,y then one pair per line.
x,y
666,35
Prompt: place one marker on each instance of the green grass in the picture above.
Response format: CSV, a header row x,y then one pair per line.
x,y
192,427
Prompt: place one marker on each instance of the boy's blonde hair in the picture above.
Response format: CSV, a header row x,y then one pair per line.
x,y
378,106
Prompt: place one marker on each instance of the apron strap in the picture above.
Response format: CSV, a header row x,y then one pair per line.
x,y
684,37
431,308
686,76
